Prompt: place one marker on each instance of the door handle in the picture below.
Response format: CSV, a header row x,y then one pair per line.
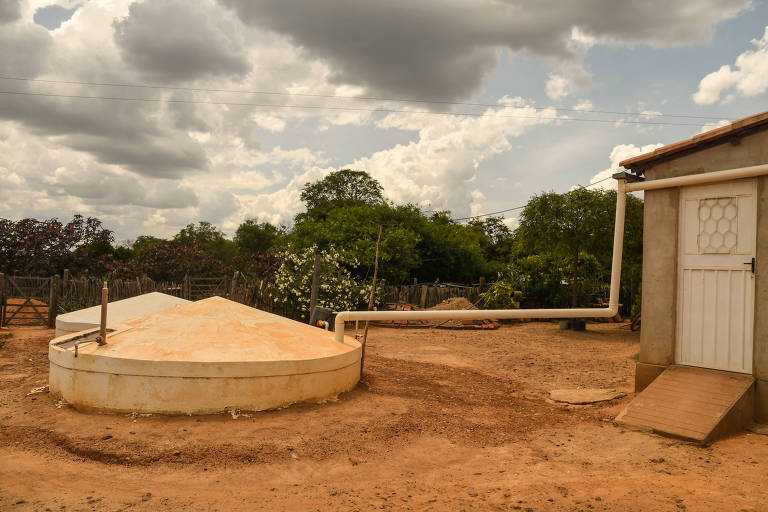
x,y
751,264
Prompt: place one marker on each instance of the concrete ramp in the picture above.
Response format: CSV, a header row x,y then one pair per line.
x,y
696,404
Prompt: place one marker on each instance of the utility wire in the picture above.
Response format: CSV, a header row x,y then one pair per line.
x,y
523,206
355,109
340,96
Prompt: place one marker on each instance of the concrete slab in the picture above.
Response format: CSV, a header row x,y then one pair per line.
x,y
203,357
117,312
697,404
584,396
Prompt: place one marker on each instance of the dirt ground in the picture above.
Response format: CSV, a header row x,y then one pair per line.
x,y
443,420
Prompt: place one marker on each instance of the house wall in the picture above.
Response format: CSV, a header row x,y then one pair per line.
x,y
660,251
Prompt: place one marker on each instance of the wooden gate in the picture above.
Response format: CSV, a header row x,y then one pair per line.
x,y
204,287
25,300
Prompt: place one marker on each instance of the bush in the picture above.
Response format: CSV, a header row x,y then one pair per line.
x,y
502,295
338,289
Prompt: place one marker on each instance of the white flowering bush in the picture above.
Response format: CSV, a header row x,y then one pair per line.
x,y
338,289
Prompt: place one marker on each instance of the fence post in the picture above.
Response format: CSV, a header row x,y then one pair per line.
x,y
2,299
53,302
423,300
186,293
482,284
315,284
233,286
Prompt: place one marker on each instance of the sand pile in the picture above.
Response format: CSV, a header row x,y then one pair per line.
x,y
457,303
453,303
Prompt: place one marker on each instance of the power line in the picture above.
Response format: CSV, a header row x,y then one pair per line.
x,y
523,206
340,96
353,109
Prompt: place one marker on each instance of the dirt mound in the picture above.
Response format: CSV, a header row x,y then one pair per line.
x,y
461,303
453,303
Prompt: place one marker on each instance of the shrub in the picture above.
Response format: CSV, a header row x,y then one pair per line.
x,y
502,295
338,289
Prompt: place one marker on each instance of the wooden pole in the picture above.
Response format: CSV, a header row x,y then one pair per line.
x,y
233,285
2,299
53,302
370,300
315,284
103,325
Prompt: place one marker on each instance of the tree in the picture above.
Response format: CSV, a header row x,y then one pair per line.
x,y
208,238
567,228
144,241
256,237
496,241
170,260
346,187
353,230
48,247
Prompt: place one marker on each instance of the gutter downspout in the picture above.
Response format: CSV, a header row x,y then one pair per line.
x,y
618,245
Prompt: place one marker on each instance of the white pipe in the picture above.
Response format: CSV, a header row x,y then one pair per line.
x,y
618,245
502,314
699,179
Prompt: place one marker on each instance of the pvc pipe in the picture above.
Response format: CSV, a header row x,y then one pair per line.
x,y
699,179
502,314
618,245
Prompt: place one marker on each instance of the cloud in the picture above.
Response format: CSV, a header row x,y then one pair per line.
x,y
712,126
25,49
618,154
437,49
176,40
436,168
748,77
10,10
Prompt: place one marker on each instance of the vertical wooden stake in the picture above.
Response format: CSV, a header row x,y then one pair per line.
x,y
103,326
370,301
2,299
233,286
315,284
53,302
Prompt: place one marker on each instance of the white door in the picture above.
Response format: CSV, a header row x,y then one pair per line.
x,y
716,283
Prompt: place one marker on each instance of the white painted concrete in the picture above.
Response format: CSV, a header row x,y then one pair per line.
x,y
117,312
204,357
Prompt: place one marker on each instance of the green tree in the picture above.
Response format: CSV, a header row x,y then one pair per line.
x,y
144,241
496,242
353,230
256,237
207,238
568,226
345,187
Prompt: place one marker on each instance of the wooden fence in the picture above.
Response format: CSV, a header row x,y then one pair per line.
x,y
66,293
428,295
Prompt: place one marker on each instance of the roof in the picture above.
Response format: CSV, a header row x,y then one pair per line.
x,y
730,132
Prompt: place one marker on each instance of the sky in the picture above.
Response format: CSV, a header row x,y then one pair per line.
x,y
154,114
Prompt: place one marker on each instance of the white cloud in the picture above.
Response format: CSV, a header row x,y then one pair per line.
x,y
618,154
748,77
437,167
270,123
584,105
558,86
712,126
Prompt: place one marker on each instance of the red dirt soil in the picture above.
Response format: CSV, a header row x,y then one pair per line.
x,y
443,420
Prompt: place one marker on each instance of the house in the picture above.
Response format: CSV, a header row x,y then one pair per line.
x,y
705,263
